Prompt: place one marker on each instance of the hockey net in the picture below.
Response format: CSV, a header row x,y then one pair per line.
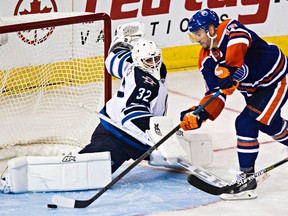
x,y
50,64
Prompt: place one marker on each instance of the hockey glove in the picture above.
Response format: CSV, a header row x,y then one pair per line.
x,y
189,121
126,35
226,81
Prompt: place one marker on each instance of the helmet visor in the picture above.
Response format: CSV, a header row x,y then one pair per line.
x,y
153,65
196,36
152,62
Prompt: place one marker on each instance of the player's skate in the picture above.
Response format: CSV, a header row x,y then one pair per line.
x,y
245,192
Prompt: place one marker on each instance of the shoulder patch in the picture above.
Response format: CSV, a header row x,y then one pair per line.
x,y
148,80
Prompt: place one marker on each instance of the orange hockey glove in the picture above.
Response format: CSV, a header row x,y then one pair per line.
x,y
229,91
189,121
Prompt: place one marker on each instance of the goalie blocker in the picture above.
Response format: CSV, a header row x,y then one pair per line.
x,y
57,173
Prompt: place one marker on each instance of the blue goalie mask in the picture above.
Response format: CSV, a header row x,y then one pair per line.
x,y
202,19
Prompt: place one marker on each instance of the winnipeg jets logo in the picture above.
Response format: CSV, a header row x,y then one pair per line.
x,y
148,80
157,130
180,133
69,158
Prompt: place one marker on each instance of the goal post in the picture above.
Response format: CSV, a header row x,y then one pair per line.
x,y
50,64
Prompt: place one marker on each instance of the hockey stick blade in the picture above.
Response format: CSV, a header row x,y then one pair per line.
x,y
205,186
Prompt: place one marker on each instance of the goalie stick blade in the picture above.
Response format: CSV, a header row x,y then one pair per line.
x,y
63,201
206,187
70,203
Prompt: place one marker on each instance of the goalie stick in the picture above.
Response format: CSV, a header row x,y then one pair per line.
x,y
197,170
203,185
72,203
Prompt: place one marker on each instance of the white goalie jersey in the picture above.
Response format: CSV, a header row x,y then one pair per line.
x,y
139,97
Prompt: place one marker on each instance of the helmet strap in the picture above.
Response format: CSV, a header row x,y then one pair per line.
x,y
211,38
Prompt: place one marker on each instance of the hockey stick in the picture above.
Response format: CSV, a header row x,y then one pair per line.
x,y
214,190
197,170
72,203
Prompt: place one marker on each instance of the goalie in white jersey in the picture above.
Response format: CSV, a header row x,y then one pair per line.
x,y
143,92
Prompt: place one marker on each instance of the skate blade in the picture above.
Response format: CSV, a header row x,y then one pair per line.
x,y
245,195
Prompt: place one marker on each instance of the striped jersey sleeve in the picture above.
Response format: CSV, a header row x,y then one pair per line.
x,y
118,61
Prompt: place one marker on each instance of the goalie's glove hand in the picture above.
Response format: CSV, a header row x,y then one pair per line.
x,y
127,34
226,81
189,121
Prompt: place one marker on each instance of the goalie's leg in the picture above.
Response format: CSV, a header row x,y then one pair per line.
x,y
102,140
57,173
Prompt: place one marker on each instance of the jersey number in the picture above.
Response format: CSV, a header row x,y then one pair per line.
x,y
144,94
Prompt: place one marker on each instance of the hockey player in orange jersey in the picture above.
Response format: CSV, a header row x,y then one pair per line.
x,y
234,57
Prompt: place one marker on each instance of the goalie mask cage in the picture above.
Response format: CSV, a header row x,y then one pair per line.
x,y
51,64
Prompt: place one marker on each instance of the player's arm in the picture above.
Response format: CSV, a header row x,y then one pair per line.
x,y
135,118
119,57
239,41
226,80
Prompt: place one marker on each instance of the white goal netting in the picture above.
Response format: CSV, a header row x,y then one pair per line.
x,y
46,72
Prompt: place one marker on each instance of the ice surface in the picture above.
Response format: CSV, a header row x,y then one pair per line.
x,y
160,192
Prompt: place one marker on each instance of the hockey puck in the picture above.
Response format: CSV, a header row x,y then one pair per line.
x,y
52,206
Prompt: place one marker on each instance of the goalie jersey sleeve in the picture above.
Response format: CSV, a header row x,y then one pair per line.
x,y
139,97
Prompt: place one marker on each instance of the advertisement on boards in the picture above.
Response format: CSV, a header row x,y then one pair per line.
x,y
166,21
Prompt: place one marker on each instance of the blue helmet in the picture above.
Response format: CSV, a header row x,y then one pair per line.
x,y
202,19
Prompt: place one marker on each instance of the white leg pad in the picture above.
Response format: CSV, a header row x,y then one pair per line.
x,y
195,148
58,173
171,148
198,147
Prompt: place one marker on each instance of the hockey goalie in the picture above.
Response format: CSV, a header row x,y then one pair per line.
x,y
137,121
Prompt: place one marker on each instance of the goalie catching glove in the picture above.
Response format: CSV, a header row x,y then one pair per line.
x,y
226,81
189,121
127,34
